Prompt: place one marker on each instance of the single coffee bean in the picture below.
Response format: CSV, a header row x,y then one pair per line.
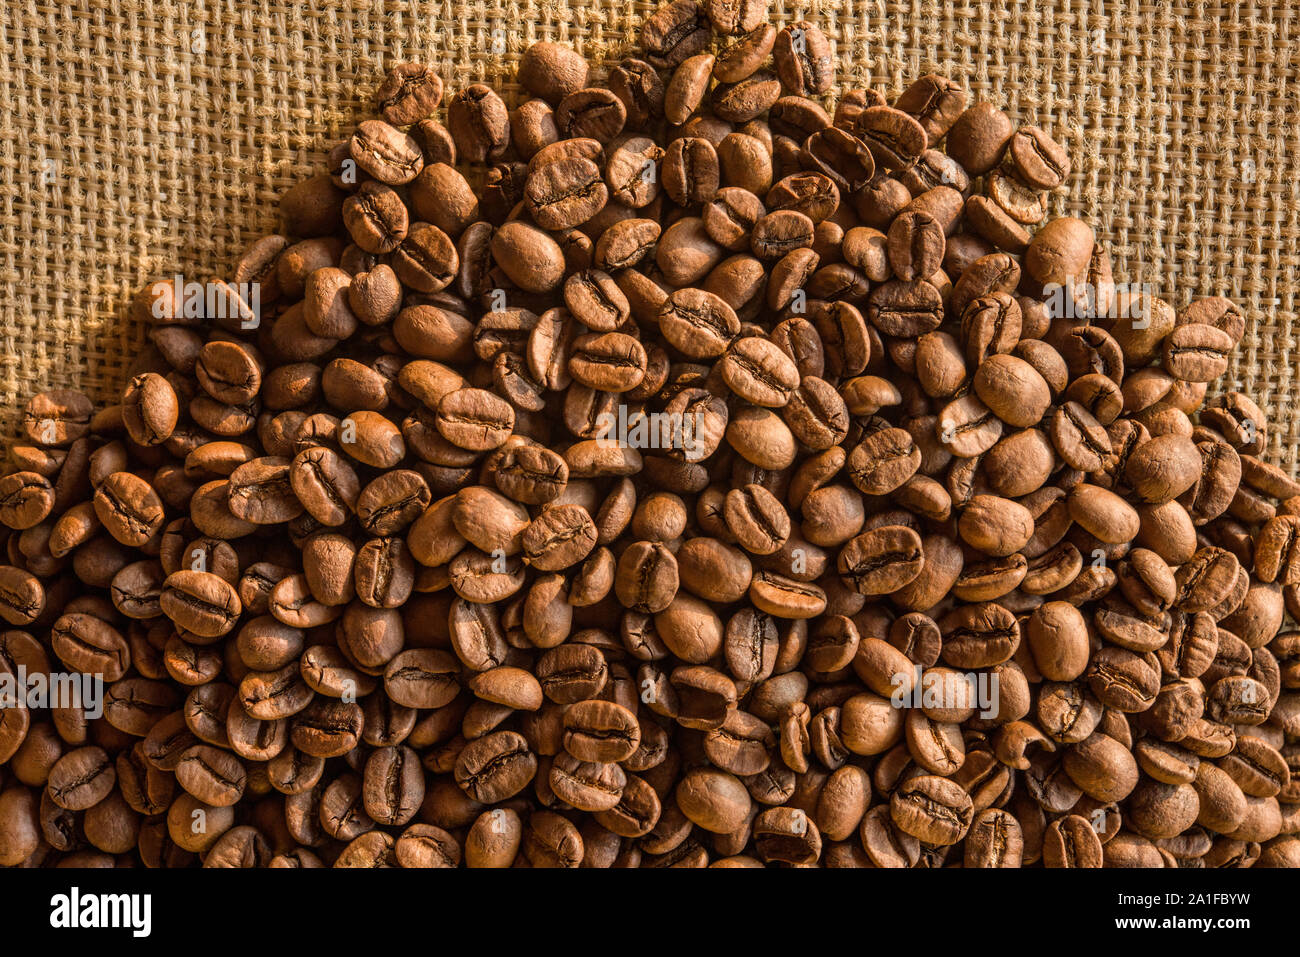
x,y
698,323
410,92
474,419
896,139
881,560
935,101
1197,352
979,137
386,153
479,123
213,776
150,409
495,767
915,246
81,778
125,504
1072,841
200,602
905,309
558,538
610,362
674,33
1037,160
932,809
22,597
565,193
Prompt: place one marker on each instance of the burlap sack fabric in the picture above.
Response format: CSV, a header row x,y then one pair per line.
x,y
141,139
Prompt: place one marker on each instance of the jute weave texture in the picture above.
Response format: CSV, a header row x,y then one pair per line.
x,y
143,139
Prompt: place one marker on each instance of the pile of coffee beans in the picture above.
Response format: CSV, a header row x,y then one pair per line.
x,y
696,465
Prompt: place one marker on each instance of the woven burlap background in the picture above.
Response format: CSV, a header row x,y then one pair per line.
x,y
140,139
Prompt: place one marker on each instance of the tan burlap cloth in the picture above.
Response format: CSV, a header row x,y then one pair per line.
x,y
139,139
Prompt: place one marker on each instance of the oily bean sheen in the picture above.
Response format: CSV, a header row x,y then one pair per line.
x,y
693,465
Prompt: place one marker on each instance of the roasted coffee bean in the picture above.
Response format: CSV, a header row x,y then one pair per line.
x,y
1024,205
1072,841
200,602
995,840
675,32
758,371
698,323
935,101
479,123
932,809
558,538
81,778
610,362
529,257
1037,160
595,113
386,153
596,301
421,678
426,259
1061,251
881,560
565,193
214,776
905,309
896,139
126,505
1079,439
915,245
552,71
803,59
495,767
57,418
150,409
22,597
647,577
1197,352
978,138
686,89
641,89
474,419
967,427
746,99
410,92
261,492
